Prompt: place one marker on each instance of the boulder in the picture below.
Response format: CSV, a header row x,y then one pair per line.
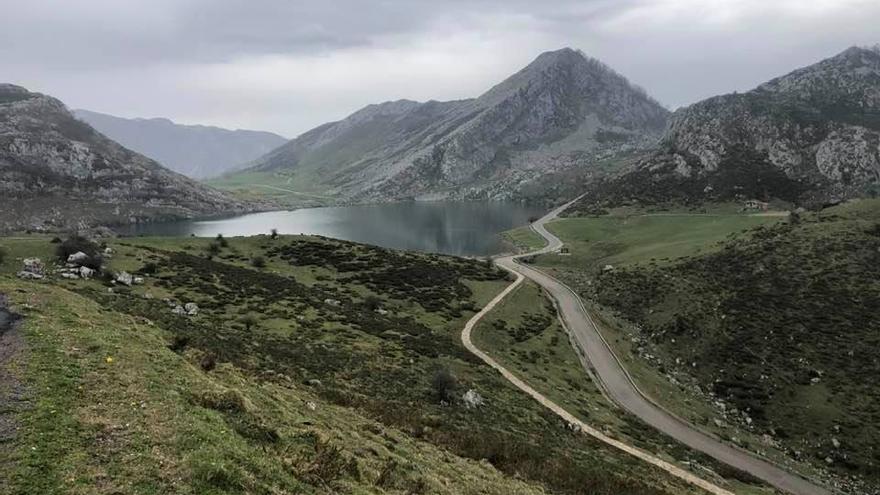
x,y
86,272
24,274
191,309
178,310
33,265
472,399
124,278
138,280
77,258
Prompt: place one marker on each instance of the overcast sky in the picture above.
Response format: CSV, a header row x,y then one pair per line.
x,y
289,65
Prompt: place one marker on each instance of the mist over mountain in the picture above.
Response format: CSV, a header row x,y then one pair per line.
x,y
196,151
562,111
58,171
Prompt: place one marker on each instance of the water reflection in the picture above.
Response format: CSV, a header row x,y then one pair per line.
x,y
468,229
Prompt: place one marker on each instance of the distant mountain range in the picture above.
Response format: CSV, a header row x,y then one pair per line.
x,y
808,137
563,124
56,171
196,151
562,111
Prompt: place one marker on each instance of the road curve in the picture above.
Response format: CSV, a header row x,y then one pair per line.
x,y
620,387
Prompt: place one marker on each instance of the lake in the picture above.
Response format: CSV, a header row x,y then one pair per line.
x,y
460,228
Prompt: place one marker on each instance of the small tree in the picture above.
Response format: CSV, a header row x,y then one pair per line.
x,y
213,249
444,384
249,320
372,302
221,241
273,234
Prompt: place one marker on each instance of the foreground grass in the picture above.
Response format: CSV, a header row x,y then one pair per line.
x,y
310,372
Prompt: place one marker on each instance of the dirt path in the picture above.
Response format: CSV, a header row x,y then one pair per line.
x,y
12,392
615,380
562,413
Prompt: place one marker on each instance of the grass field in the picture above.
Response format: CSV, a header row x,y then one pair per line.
x,y
596,241
285,189
524,239
310,368
753,335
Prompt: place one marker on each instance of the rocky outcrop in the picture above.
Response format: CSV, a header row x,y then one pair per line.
x,y
810,136
56,170
563,111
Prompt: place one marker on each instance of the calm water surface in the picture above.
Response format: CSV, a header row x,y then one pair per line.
x,y
467,229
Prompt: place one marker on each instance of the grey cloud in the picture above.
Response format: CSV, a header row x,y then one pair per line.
x,y
145,57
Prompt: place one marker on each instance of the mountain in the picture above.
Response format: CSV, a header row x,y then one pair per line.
x,y
562,111
56,171
807,137
193,150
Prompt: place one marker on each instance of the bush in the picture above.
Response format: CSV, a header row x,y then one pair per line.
x,y
77,243
213,249
273,234
2,254
444,384
221,241
258,262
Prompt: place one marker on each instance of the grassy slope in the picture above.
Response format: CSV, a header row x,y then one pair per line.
x,y
524,334
286,189
524,239
735,312
597,241
121,403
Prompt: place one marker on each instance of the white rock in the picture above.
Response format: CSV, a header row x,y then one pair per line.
x,y
77,258
191,309
137,280
472,399
124,278
86,272
178,310
836,443
29,275
311,405
33,265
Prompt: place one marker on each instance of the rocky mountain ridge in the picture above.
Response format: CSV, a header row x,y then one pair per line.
x,y
58,172
562,111
197,151
808,137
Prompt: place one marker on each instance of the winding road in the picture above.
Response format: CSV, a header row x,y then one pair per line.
x,y
618,384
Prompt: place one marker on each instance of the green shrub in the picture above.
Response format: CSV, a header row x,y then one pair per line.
x,y
77,243
258,262
444,384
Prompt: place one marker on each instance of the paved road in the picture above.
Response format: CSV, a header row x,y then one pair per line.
x,y
621,389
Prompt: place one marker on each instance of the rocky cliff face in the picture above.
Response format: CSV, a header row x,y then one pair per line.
x,y
811,135
196,151
56,171
563,111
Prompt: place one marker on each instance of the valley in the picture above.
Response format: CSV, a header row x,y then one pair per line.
x,y
545,281
318,368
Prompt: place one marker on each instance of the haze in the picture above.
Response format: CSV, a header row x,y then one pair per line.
x,y
289,66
